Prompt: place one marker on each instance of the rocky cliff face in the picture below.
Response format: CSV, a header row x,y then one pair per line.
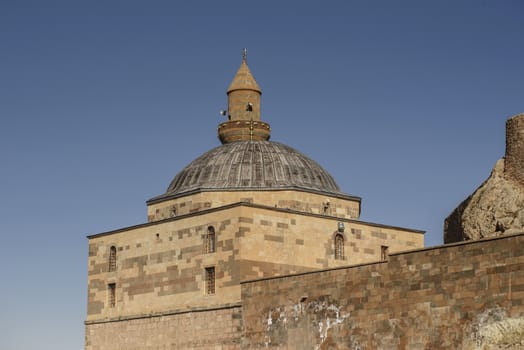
x,y
497,206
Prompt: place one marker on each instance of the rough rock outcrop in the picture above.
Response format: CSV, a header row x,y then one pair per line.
x,y
497,206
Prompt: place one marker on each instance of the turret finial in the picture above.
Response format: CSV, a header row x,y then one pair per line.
x,y
244,54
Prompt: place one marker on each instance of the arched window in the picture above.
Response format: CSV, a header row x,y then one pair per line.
x,y
112,258
339,246
210,240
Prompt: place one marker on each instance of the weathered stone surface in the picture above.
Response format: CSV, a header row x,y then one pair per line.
x,y
218,328
252,165
497,206
467,296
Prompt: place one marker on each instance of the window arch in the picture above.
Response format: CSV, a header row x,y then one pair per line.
x,y
339,246
112,258
210,240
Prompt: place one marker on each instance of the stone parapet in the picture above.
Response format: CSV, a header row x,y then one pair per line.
x,y
463,296
243,130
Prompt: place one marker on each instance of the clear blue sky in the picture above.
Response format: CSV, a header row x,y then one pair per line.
x,y
103,102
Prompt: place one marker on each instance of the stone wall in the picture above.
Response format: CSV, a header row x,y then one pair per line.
x,y
144,280
277,242
160,267
463,296
203,329
346,207
514,162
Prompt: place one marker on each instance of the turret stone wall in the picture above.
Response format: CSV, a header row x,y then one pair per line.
x,y
514,160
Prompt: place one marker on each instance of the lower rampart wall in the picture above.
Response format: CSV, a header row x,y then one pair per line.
x,y
204,329
463,296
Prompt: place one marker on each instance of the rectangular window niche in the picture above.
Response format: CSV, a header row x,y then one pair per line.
x,y
210,280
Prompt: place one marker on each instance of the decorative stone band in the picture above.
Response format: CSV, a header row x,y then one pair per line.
x,y
514,159
243,130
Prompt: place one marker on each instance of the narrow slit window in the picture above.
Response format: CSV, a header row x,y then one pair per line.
x,y
384,252
210,240
339,247
112,258
210,280
111,288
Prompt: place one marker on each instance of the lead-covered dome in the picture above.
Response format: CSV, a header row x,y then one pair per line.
x,y
252,165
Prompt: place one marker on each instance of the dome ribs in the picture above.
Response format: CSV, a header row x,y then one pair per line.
x,y
252,165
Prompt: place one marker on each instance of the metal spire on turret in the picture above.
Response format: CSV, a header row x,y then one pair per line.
x,y
243,108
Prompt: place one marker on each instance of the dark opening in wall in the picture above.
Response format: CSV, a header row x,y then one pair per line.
x,y
112,258
384,251
111,288
210,280
339,246
210,240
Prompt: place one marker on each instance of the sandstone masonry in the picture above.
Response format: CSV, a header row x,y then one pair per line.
x,y
247,209
462,296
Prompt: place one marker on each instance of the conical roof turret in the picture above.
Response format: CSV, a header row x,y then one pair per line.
x,y
243,108
244,80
